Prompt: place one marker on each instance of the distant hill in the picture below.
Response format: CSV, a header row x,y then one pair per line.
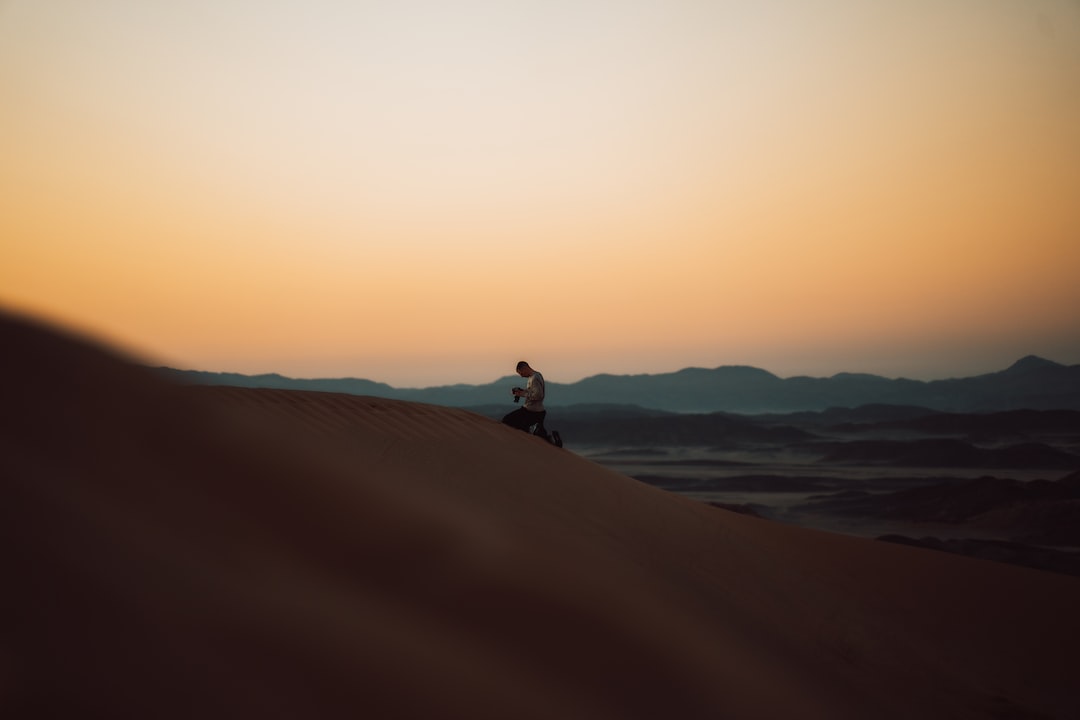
x,y
1030,383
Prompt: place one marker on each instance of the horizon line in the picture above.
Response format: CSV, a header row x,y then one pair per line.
x,y
340,378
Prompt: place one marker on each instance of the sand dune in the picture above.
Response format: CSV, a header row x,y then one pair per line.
x,y
177,551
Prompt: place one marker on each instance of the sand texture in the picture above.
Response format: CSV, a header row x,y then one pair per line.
x,y
180,551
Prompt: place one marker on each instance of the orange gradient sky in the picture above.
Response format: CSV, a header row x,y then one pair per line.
x,y
424,192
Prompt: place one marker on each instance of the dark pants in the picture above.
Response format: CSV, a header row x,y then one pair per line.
x,y
523,419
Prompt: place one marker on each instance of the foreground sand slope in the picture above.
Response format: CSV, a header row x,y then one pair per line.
x,y
185,551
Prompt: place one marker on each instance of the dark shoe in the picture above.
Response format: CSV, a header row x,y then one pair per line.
x,y
556,438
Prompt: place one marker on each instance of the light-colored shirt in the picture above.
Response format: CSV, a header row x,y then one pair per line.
x,y
534,393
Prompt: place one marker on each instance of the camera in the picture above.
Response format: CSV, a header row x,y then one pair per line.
x,y
517,398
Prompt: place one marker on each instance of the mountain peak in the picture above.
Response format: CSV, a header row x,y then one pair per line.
x,y
1030,363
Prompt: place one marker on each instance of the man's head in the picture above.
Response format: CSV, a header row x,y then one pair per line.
x,y
523,369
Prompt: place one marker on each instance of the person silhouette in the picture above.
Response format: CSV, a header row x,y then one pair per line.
x,y
530,416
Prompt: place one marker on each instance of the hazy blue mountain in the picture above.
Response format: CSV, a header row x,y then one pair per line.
x,y
1031,383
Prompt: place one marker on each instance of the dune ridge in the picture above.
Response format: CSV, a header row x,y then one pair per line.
x,y
177,550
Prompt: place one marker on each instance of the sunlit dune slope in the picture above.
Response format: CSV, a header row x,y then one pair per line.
x,y
176,551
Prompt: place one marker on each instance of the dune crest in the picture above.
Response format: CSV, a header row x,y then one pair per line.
x,y
181,551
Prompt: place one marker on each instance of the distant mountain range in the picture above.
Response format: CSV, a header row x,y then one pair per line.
x,y
1031,383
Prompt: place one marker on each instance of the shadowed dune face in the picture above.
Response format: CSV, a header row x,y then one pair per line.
x,y
174,551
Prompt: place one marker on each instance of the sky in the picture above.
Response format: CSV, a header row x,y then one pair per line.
x,y
425,192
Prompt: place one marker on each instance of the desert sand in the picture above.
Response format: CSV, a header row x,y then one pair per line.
x,y
180,551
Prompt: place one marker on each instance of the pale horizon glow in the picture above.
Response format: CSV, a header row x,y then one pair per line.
x,y
422,193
